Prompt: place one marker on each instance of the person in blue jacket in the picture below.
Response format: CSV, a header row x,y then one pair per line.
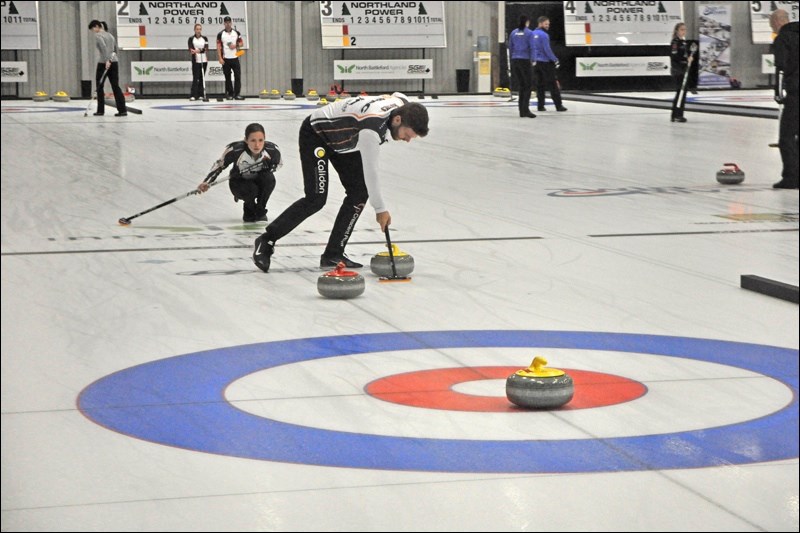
x,y
544,66
520,48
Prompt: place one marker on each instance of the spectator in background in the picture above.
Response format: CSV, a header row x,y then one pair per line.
x,y
680,62
198,48
544,66
107,68
520,48
229,41
785,49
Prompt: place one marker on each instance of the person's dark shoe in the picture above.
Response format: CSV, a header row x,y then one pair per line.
x,y
541,109
98,114
677,119
263,252
783,184
529,115
562,108
120,114
326,262
237,97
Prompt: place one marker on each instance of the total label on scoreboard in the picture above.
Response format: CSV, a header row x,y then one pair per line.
x,y
382,24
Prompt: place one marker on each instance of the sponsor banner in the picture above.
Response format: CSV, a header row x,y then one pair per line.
x,y
759,18
15,71
168,25
150,71
714,27
19,22
767,64
382,24
586,67
383,69
620,23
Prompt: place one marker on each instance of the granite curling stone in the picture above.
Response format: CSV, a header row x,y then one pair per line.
x,y
381,263
730,174
538,387
340,283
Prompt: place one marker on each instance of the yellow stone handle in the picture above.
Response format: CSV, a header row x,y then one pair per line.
x,y
396,252
538,370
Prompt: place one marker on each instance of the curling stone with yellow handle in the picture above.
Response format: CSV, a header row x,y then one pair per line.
x,y
539,387
502,92
289,95
61,96
41,96
381,264
312,95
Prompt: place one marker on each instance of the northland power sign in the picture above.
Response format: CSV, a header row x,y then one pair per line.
x,y
587,67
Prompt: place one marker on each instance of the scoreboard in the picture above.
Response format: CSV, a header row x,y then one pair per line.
x,y
620,23
382,24
168,25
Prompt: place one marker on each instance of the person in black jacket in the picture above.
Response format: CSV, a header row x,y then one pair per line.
x,y
347,134
198,48
254,162
680,60
785,49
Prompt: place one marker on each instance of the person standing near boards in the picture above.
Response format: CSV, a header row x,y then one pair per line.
x,y
107,68
229,42
198,48
786,49
520,48
681,59
545,65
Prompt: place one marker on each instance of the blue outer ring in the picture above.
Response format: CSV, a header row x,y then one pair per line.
x,y
179,402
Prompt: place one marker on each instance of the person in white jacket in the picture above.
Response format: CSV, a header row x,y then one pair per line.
x,y
347,134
